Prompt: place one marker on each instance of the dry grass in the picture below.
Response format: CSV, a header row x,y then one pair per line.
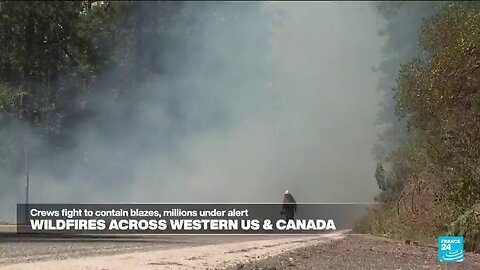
x,y
414,216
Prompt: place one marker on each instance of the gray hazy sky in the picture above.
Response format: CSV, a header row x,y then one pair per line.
x,y
327,51
263,109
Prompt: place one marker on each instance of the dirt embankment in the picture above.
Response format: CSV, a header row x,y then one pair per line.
x,y
361,252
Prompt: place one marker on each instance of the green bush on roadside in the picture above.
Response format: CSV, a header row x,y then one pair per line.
x,y
468,226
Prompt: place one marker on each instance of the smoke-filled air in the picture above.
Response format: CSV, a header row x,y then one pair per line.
x,y
370,103
184,102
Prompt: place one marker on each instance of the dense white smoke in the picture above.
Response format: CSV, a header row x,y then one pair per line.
x,y
262,97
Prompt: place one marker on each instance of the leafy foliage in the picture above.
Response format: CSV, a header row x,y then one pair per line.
x,y
57,57
438,97
468,225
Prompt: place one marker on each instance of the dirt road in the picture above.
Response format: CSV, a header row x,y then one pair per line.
x,y
27,249
186,253
336,251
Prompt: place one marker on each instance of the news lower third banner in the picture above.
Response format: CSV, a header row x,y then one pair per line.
x,y
187,218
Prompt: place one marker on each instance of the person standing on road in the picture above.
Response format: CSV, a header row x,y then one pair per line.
x,y
289,206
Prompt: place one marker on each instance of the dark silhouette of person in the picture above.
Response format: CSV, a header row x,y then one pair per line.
x,y
289,206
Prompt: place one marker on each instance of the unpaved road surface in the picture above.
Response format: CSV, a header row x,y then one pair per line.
x,y
333,251
16,249
232,251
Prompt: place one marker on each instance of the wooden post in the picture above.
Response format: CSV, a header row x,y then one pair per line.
x,y
27,186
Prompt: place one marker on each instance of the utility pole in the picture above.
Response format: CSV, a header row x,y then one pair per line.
x,y
27,187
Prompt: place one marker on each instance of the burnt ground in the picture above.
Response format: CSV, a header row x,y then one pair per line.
x,y
361,252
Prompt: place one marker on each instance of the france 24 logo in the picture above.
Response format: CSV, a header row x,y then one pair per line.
x,y
450,249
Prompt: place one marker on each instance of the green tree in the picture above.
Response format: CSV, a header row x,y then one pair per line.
x,y
440,99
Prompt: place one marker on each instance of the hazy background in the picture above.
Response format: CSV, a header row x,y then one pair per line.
x,y
260,98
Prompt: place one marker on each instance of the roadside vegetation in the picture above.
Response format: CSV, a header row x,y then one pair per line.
x,y
430,180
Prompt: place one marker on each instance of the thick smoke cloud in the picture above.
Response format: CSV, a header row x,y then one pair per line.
x,y
402,29
260,98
